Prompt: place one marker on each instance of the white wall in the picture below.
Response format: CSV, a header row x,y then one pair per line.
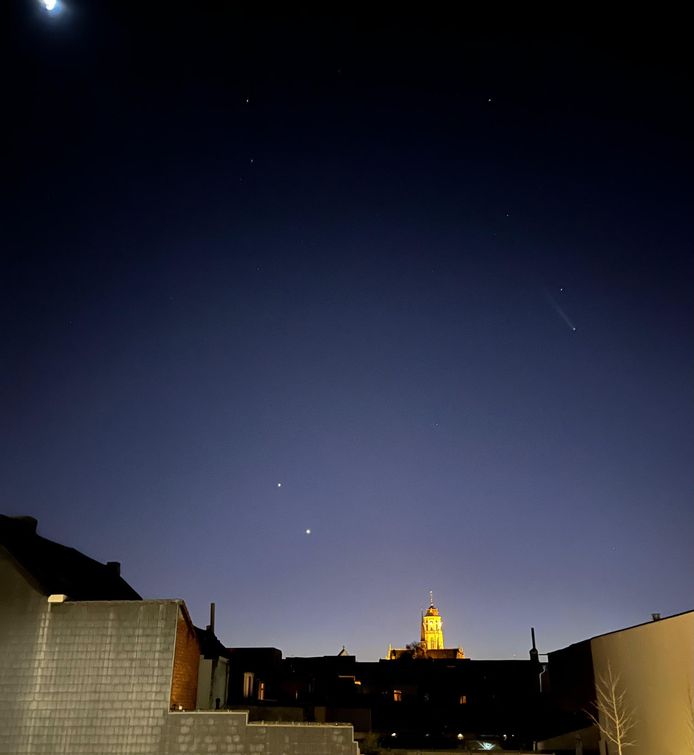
x,y
655,665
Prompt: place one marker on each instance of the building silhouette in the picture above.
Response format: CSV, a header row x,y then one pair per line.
x,y
416,697
88,666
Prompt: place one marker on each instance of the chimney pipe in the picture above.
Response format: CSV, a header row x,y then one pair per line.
x,y
534,655
655,616
113,567
212,608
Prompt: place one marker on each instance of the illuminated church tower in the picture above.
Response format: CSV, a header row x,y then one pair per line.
x,y
431,642
432,627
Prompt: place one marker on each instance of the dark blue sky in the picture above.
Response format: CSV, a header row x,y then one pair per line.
x,y
333,252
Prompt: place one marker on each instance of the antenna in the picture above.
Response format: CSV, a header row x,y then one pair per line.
x,y
431,597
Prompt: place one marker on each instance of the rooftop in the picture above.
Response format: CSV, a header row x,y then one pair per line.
x,y
58,569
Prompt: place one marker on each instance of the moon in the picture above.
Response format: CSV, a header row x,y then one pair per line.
x,y
49,5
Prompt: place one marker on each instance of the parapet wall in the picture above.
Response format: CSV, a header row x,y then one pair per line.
x,y
230,732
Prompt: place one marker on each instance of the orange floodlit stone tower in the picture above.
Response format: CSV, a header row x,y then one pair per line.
x,y
431,640
432,627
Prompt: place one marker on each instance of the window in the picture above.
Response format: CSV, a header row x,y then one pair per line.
x,y
261,690
462,700
248,684
397,695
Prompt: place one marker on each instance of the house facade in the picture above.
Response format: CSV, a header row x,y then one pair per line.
x,y
645,675
111,673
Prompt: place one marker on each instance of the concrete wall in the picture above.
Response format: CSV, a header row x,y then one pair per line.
x,y
82,677
230,732
655,666
87,677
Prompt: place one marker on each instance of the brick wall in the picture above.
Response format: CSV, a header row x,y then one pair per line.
x,y
184,678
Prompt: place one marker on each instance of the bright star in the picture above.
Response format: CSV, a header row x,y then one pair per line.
x,y
308,532
279,484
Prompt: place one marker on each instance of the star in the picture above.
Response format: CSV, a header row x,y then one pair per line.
x,y
308,531
279,484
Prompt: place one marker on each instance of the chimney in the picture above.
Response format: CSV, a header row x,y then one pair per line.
x,y
28,524
113,567
211,625
655,616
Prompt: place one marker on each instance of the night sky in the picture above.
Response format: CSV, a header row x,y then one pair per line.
x,y
420,284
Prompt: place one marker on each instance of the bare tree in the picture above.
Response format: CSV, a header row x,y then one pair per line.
x,y
613,716
415,649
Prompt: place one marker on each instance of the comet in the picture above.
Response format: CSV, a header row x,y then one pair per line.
x,y
555,306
